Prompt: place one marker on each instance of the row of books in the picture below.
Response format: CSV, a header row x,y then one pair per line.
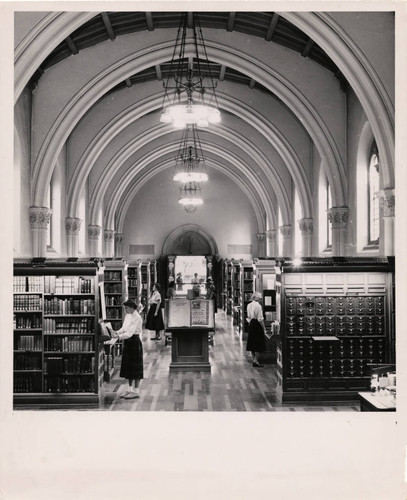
x,y
27,322
28,284
69,344
69,306
27,303
68,285
113,288
132,282
58,365
113,275
69,384
113,301
28,343
27,362
69,325
27,383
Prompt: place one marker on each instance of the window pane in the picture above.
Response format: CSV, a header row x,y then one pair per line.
x,y
374,205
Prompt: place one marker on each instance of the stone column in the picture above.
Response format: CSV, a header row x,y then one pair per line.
x,y
93,239
72,228
287,233
209,265
39,222
387,203
109,242
307,230
271,243
338,217
118,245
261,245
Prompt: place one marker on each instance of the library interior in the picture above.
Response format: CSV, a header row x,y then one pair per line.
x,y
232,158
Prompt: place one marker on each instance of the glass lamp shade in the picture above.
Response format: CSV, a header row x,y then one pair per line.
x,y
190,195
181,115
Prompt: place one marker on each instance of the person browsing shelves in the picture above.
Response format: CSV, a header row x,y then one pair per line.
x,y
154,319
256,341
132,358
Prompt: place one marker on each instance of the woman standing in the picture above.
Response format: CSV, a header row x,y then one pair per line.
x,y
256,342
211,292
154,316
132,358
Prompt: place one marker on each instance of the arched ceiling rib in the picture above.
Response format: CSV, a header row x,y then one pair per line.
x,y
109,25
97,86
123,196
242,110
98,194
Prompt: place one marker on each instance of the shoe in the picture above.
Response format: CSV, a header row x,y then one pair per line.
x,y
257,365
132,395
124,394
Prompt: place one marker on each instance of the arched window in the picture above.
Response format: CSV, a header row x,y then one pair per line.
x,y
324,204
49,204
328,224
280,236
297,231
373,198
55,204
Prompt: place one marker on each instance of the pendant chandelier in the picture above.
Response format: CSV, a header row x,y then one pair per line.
x,y
190,162
190,196
189,96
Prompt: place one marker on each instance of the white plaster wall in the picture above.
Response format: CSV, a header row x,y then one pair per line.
x,y
155,213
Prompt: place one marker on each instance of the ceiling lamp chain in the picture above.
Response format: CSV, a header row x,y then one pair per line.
x,y
189,96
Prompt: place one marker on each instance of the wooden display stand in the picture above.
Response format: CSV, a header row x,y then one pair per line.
x,y
189,322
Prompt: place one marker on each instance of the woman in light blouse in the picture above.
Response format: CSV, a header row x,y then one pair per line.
x,y
132,358
154,319
256,342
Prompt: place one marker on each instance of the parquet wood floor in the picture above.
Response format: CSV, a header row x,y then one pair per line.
x,y
232,385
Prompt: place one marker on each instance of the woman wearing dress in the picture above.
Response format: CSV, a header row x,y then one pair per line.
x,y
154,316
132,358
256,341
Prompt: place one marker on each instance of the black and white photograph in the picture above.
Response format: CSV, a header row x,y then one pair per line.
x,y
204,261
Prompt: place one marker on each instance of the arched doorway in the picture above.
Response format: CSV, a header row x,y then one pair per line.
x,y
190,239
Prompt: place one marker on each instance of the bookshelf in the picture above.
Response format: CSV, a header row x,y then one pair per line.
x,y
247,289
115,292
56,351
336,325
236,295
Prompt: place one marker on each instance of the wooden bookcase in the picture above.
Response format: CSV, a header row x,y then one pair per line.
x,y
336,324
236,295
115,292
247,289
57,356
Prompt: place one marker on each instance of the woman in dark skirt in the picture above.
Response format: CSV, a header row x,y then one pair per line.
x,y
256,341
154,319
132,358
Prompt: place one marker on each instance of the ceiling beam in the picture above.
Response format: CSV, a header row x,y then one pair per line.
x,y
158,72
252,83
231,21
307,48
222,73
128,83
71,45
272,27
108,26
149,20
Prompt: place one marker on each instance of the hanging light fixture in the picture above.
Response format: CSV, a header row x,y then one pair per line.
x,y
189,96
190,196
190,161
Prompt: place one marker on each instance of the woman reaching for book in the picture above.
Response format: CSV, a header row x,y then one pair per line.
x,y
132,358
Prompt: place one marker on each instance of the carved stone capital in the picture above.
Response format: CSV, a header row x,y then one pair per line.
x,y
306,225
271,235
72,225
118,238
286,231
40,217
108,234
338,216
261,237
93,232
387,202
